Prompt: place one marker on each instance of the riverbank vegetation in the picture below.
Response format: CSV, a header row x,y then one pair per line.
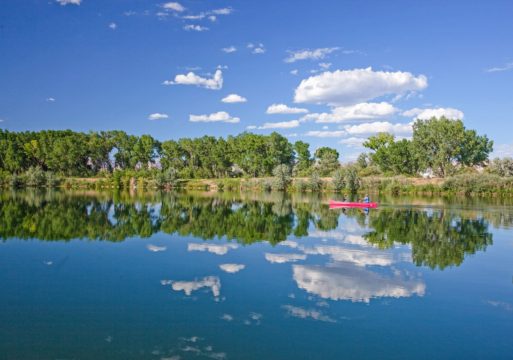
x,y
441,157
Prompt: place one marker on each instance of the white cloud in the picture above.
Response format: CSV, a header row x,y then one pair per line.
x,y
220,116
294,72
251,127
361,111
280,125
212,18
211,248
324,65
113,26
348,87
214,83
222,11
425,114
155,248
229,49
1,120
284,109
188,287
284,258
301,313
50,99
234,98
349,282
326,134
173,6
69,2
194,17
232,268
506,67
314,54
198,28
157,116
354,142
256,48
377,127
129,13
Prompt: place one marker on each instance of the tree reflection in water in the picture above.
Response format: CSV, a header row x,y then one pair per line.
x,y
438,238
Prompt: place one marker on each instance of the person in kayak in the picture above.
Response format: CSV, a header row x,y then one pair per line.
x,y
366,199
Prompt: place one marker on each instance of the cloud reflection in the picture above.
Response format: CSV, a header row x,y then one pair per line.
x,y
349,282
211,248
189,287
284,258
232,268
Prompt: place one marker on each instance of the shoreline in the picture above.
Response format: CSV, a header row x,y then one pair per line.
x,y
478,184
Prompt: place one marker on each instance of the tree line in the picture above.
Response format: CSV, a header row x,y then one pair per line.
x,y
70,153
440,146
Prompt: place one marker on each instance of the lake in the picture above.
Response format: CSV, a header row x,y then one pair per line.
x,y
87,275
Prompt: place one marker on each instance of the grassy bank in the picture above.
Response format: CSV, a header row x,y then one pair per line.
x,y
477,184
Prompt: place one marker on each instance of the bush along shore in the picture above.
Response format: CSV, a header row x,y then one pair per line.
x,y
345,180
441,157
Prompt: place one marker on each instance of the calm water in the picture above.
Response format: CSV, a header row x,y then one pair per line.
x,y
120,276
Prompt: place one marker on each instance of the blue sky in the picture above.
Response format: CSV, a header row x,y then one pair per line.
x,y
336,71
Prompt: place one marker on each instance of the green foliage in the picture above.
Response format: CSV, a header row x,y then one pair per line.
x,y
442,145
397,157
166,178
327,160
301,186
353,181
363,160
315,182
282,177
304,160
339,180
69,153
478,184
34,177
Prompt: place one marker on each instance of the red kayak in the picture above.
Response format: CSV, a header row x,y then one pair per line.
x,y
344,204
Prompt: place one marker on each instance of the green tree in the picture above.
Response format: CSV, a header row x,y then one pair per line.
x,y
442,145
303,158
327,160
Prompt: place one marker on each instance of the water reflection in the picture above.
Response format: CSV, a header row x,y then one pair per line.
x,y
197,269
438,237
344,281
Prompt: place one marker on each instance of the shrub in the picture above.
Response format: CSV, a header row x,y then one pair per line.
x,y
353,181
338,180
34,177
301,186
166,178
282,177
315,182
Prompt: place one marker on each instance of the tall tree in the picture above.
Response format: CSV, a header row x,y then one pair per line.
x,y
327,160
303,157
443,145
